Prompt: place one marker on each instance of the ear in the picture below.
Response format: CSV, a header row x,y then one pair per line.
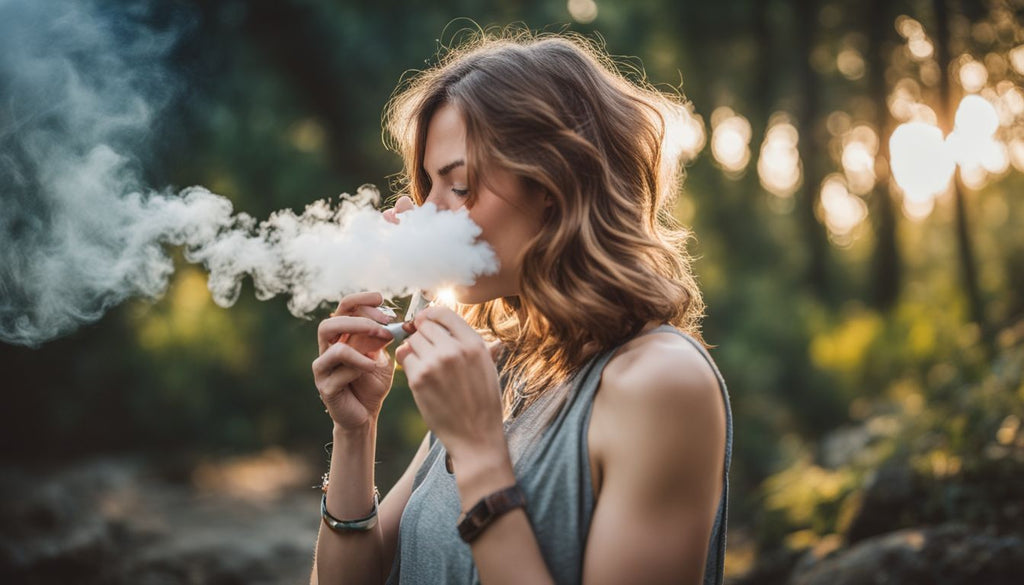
x,y
548,200
543,195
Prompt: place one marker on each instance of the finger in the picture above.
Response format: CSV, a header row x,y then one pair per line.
x,y
404,204
333,328
350,302
434,332
390,216
340,378
374,313
403,353
339,355
367,345
450,320
420,345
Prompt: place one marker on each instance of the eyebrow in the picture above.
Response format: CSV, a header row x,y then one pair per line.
x,y
448,167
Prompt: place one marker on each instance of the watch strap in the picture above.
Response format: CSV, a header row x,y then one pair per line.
x,y
489,509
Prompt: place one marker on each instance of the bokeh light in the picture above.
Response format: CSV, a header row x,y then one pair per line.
x,y
730,139
922,165
583,11
685,136
973,144
841,210
1015,150
860,147
1016,56
908,27
905,103
973,75
850,63
923,162
778,165
920,47
975,116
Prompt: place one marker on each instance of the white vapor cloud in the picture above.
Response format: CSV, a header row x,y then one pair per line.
x,y
81,87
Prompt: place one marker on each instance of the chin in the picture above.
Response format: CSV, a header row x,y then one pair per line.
x,y
475,294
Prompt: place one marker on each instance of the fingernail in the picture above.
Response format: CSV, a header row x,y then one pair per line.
x,y
389,314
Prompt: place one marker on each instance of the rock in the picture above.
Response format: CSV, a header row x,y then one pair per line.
x,y
117,522
52,531
949,554
773,568
890,501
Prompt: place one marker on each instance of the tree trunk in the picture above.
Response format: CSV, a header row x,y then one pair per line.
x,y
886,268
817,271
947,110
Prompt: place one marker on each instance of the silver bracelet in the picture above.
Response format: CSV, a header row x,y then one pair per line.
x,y
361,525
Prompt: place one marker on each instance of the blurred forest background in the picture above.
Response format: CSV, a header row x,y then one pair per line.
x,y
865,292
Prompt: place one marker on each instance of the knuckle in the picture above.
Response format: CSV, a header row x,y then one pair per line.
x,y
323,327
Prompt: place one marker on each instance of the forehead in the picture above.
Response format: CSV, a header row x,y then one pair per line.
x,y
446,138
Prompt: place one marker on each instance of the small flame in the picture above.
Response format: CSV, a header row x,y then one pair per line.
x,y
446,297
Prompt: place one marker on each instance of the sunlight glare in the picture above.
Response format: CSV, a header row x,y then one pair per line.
x,y
922,164
973,142
445,297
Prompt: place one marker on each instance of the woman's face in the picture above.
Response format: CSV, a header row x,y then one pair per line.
x,y
508,215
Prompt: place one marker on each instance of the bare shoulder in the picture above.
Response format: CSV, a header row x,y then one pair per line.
x,y
659,394
657,368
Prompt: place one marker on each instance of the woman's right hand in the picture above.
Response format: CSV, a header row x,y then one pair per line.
x,y
354,373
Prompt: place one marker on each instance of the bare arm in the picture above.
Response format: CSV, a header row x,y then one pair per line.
x,y
353,374
659,424
662,429
369,554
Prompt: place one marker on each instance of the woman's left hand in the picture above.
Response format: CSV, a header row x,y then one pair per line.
x,y
454,382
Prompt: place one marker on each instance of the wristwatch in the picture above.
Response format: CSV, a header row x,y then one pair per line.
x,y
488,509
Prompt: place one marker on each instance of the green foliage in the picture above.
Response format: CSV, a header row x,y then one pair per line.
x,y
940,443
829,387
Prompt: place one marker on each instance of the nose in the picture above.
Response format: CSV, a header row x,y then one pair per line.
x,y
444,200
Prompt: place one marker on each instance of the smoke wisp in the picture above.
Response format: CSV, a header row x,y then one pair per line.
x,y
81,87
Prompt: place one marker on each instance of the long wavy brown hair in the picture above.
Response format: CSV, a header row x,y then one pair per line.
x,y
555,111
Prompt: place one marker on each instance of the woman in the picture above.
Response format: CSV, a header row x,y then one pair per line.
x,y
579,431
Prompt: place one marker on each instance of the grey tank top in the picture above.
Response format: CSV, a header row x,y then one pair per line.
x,y
548,446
